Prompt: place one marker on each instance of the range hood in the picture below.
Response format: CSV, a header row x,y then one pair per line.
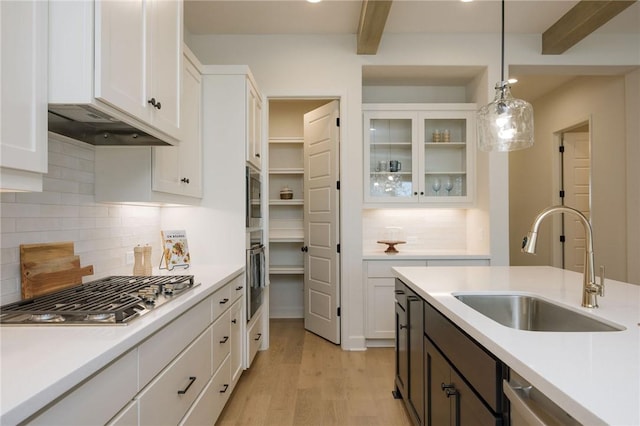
x,y
85,123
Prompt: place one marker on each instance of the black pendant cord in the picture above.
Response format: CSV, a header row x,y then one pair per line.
x,y
502,58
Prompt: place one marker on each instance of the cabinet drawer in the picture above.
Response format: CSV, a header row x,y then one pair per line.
x,y
237,288
382,268
401,291
207,408
481,369
98,399
255,337
162,347
221,339
222,300
170,395
127,417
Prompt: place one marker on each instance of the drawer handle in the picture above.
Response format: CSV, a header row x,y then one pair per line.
x,y
234,321
191,380
240,287
223,301
450,391
403,326
399,291
259,336
225,339
413,298
225,386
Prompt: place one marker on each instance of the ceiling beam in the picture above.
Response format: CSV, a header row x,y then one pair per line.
x,y
373,17
583,19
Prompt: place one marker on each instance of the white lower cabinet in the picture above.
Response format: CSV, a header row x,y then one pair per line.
x,y
182,374
380,286
255,336
95,401
169,396
128,416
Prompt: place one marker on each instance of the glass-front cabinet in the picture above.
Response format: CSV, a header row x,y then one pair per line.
x,y
419,153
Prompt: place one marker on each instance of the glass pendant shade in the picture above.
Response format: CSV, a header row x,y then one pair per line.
x,y
506,124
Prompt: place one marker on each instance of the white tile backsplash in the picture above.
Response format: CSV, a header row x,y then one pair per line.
x,y
66,211
422,229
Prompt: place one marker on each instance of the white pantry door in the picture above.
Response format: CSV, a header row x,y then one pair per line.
x,y
577,178
321,222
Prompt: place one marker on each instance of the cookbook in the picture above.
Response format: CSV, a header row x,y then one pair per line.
x,y
175,249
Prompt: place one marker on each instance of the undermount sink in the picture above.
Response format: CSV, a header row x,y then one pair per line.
x,y
531,313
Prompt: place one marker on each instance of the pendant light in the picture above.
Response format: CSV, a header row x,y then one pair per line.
x,y
506,124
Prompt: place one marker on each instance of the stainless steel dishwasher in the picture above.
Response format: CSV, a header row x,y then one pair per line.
x,y
530,407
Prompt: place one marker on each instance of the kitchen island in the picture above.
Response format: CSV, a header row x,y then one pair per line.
x,y
42,363
593,376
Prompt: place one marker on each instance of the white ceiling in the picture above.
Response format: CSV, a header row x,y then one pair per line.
x,y
408,16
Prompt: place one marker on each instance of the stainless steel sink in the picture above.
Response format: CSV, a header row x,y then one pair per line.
x,y
525,312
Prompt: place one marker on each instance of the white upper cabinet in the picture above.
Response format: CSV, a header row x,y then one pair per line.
x,y
159,175
123,58
419,154
23,108
254,126
178,170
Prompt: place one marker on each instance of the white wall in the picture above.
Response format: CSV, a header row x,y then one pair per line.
x,y
310,65
534,172
66,211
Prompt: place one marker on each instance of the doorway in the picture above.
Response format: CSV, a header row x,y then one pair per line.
x,y
575,191
303,214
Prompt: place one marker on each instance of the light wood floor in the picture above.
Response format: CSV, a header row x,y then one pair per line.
x,y
304,380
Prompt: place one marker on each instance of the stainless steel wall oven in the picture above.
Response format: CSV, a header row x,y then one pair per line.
x,y
253,198
256,273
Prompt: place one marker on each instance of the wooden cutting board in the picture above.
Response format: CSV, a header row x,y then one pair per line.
x,y
49,267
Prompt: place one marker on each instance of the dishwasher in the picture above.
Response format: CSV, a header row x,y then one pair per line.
x,y
530,407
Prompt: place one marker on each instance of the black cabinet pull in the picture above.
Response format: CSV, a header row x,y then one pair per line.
x,y
224,340
399,291
185,180
413,298
304,249
258,155
154,103
191,380
403,326
234,321
240,287
223,301
259,336
225,386
450,391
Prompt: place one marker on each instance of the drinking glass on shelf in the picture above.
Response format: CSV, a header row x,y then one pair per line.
x,y
448,185
436,185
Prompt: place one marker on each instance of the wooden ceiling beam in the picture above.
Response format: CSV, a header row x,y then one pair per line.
x,y
583,19
373,17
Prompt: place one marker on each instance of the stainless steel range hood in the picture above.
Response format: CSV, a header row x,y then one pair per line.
x,y
88,124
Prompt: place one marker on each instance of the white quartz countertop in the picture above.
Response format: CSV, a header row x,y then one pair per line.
x,y
40,363
595,377
417,254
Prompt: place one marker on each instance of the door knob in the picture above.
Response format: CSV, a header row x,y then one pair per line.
x,y
304,249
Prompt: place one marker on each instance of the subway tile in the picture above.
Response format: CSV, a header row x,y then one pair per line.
x,y
37,224
7,224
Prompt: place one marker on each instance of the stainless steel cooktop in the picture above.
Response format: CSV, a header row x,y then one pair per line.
x,y
113,300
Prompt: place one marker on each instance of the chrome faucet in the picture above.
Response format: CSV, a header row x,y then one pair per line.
x,y
590,289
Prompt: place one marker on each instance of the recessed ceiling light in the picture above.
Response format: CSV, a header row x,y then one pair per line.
x,y
314,1
466,1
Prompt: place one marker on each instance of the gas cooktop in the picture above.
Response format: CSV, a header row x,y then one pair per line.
x,y
112,300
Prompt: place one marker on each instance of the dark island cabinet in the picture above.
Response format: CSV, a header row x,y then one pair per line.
x,y
459,381
410,352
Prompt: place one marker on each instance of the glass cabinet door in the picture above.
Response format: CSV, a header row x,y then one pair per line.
x,y
446,156
390,154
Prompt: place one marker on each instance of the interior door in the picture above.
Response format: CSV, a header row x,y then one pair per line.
x,y
576,179
321,222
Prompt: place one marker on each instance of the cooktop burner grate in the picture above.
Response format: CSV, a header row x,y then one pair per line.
x,y
115,299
